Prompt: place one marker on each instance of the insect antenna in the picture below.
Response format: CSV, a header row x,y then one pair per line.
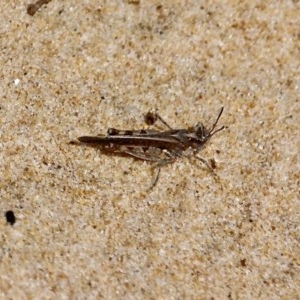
x,y
211,133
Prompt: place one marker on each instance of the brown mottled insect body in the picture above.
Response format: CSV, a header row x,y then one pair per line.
x,y
162,147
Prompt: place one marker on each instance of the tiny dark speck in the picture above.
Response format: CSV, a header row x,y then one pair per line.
x,y
10,217
243,262
213,163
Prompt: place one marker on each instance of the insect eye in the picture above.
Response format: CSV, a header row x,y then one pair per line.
x,y
200,130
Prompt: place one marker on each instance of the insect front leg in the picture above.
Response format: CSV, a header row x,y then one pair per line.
x,y
206,163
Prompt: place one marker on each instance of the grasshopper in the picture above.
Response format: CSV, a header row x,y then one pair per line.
x,y
159,147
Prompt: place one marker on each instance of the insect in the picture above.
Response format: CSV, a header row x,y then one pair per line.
x,y
159,147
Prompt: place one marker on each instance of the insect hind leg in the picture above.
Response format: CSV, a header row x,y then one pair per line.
x,y
152,117
159,165
158,162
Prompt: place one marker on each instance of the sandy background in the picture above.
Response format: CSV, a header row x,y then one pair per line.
x,y
86,225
